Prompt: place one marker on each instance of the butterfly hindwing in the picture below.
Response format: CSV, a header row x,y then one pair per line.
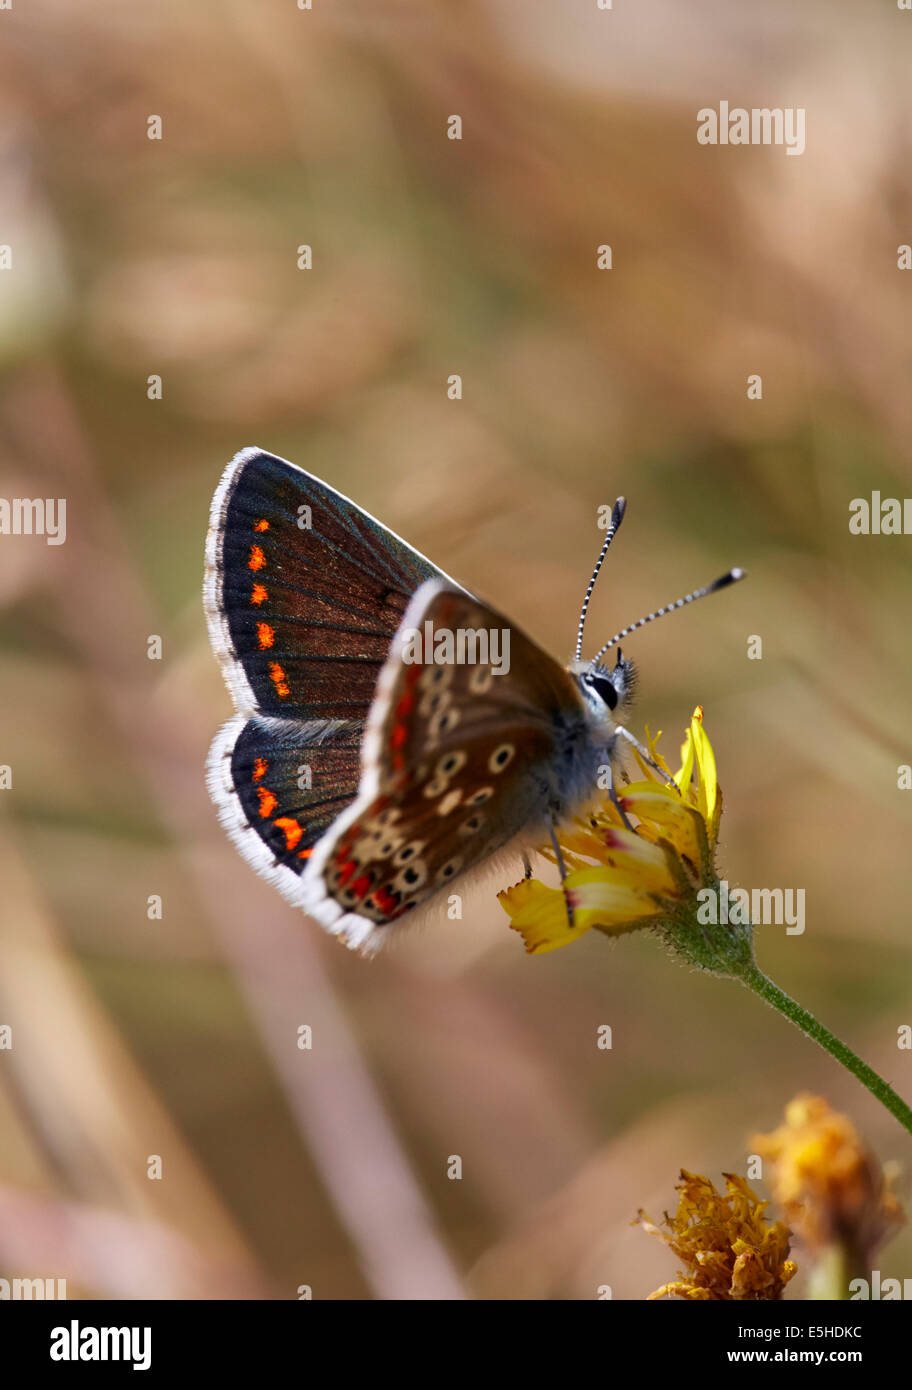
x,y
304,591
279,785
457,761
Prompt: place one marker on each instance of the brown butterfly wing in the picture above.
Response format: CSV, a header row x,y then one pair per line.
x,y
458,760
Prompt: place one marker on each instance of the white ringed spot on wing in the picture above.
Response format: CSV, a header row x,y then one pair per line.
x,y
501,757
410,879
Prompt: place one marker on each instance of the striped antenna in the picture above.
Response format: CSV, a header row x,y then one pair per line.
x,y
722,582
617,516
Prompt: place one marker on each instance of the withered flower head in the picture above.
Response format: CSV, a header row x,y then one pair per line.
x,y
728,1249
830,1185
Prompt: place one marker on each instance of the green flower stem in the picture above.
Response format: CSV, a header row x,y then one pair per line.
x,y
833,1270
752,976
830,1276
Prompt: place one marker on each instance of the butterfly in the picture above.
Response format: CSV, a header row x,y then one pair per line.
x,y
393,731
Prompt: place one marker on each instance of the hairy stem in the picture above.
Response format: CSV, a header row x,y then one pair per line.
x,y
752,976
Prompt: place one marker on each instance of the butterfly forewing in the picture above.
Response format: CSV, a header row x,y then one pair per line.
x,y
304,591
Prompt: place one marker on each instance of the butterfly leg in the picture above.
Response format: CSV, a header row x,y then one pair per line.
x,y
615,799
527,867
646,756
561,866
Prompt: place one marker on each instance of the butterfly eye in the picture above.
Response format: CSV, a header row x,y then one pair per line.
x,y
604,689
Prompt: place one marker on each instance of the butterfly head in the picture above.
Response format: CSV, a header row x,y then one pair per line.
x,y
607,690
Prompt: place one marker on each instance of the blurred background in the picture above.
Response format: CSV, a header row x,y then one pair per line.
x,y
131,257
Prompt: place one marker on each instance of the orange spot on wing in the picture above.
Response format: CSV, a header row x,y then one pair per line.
x,y
265,635
277,676
290,829
385,902
400,734
257,559
268,802
261,525
259,594
259,769
404,706
361,885
305,853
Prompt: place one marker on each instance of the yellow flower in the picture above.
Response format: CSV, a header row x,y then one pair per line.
x,y
621,879
830,1185
728,1249
647,860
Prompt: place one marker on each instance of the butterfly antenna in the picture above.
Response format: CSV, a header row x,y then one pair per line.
x,y
617,516
722,582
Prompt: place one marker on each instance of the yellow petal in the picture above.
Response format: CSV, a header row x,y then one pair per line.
x,y
514,899
600,897
539,914
659,810
652,745
706,766
684,774
607,898
619,851
653,788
